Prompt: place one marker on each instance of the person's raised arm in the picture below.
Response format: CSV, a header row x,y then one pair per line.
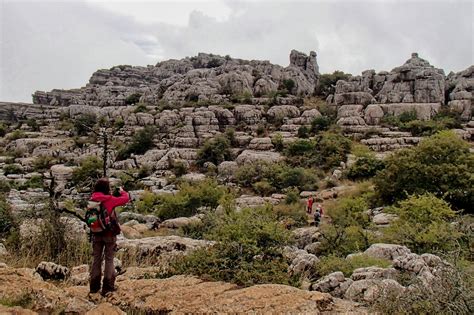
x,y
122,199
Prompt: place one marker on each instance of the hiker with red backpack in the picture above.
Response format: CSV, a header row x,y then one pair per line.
x,y
103,222
309,205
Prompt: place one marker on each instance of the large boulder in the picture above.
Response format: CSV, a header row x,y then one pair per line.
x,y
250,156
368,291
334,283
386,251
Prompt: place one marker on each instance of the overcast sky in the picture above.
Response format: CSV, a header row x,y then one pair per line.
x,y
59,44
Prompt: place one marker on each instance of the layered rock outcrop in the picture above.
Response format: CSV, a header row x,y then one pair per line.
x,y
206,77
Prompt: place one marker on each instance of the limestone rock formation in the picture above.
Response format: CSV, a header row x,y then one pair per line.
x,y
205,77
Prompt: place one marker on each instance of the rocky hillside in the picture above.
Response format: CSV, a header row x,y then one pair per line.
x,y
220,156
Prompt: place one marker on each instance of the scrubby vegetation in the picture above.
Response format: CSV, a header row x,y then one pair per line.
x,y
215,151
141,142
268,177
88,172
185,203
441,164
247,252
327,150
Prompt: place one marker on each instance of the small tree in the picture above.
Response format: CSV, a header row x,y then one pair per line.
x,y
441,165
214,150
84,123
423,225
141,142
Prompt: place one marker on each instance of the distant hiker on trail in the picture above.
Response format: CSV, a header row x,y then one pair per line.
x,y
309,205
317,217
319,207
104,226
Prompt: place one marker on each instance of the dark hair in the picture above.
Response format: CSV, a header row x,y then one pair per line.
x,y
103,186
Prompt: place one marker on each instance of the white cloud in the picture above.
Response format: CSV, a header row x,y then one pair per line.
x,y
46,45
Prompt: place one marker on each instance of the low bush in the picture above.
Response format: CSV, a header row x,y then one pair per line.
x,y
12,169
140,108
33,182
321,123
441,164
17,134
132,98
33,124
364,168
327,150
327,82
277,141
89,170
263,188
7,221
43,163
331,263
141,142
185,203
214,150
291,214
350,229
423,225
278,175
84,123
247,252
303,132
3,130
451,293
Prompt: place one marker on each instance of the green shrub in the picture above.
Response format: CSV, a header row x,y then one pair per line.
x,y
289,85
321,123
179,168
141,142
247,252
43,163
6,218
278,175
4,187
140,108
132,99
303,132
423,225
326,151
407,116
350,227
365,167
214,150
24,300
3,130
186,202
12,169
331,263
33,124
88,172
263,188
230,134
327,82
84,123
130,182
292,196
292,214
441,164
17,134
277,141
33,182
261,130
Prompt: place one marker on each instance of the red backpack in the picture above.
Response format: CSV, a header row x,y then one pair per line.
x,y
99,220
